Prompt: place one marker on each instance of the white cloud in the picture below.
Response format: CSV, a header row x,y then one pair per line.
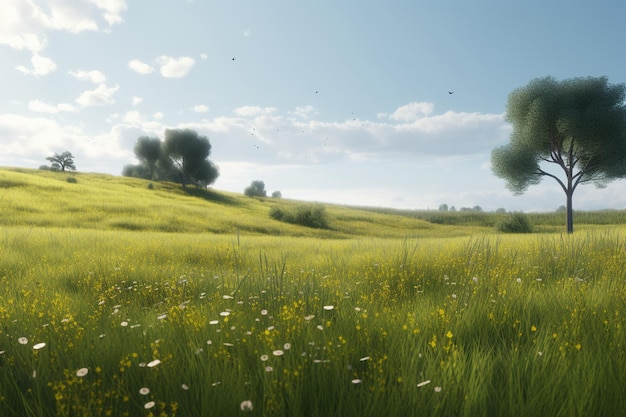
x,y
95,76
136,100
204,56
201,108
158,115
140,67
111,10
100,96
24,24
41,66
41,107
253,110
168,67
175,67
304,112
412,111
132,117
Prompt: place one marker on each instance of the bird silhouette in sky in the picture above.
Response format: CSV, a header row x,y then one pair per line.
x,y
450,92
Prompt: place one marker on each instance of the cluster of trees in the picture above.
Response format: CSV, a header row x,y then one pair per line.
x,y
573,131
444,207
181,157
257,189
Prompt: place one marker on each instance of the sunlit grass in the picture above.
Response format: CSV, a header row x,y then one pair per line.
x,y
120,299
45,199
98,322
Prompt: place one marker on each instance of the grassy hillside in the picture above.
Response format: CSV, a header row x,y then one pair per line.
x,y
105,202
122,299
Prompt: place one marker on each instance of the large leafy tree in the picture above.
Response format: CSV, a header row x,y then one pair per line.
x,y
148,151
573,131
189,154
62,161
181,157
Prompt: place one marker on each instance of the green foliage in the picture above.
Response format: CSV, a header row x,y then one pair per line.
x,y
577,126
71,180
514,223
62,161
309,215
182,158
255,189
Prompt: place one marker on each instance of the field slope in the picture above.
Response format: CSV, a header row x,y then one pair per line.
x,y
123,298
103,202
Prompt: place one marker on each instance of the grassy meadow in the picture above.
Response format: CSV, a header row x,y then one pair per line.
x,y
120,298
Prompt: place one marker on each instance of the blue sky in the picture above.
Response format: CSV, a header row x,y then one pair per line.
x,y
335,101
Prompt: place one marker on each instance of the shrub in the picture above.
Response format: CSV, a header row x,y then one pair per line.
x,y
71,180
514,223
308,215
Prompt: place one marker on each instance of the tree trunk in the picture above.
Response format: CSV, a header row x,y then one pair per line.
x,y
570,216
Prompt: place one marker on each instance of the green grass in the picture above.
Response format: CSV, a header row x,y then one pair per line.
x,y
524,325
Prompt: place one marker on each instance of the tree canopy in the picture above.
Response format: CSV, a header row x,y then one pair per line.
x,y
62,161
182,157
573,131
255,189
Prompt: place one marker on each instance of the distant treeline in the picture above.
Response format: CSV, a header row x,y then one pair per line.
x,y
490,219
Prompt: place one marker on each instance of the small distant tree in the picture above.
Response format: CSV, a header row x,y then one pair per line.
x,y
277,194
61,162
255,189
443,207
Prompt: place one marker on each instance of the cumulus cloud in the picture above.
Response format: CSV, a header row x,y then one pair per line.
x,y
140,67
412,111
175,67
25,23
95,77
201,108
100,96
39,106
253,110
304,112
41,66
136,100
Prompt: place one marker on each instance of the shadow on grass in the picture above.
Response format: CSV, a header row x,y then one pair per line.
x,y
212,196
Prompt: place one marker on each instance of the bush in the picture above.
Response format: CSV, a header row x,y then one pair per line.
x,y
71,180
308,215
514,223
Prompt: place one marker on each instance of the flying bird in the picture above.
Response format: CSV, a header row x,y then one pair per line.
x,y
450,92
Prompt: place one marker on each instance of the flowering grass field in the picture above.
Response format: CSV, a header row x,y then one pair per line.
x,y
119,323
123,298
